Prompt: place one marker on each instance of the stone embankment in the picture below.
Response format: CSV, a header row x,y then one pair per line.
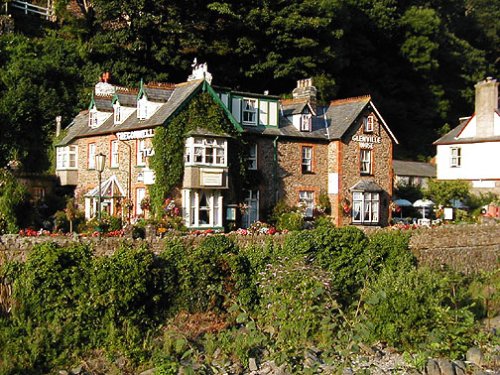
x,y
466,248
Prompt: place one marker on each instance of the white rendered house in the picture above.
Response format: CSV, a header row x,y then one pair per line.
x,y
471,151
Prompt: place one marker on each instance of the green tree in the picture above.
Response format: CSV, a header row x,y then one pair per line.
x,y
445,192
12,194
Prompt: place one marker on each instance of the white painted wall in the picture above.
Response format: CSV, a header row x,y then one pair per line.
x,y
470,129
478,161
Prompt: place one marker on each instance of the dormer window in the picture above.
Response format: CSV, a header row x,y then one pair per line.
x,y
93,118
142,108
250,111
306,122
117,113
368,124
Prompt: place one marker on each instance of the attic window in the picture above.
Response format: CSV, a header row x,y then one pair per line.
x,y
93,118
250,111
142,108
117,113
306,122
368,124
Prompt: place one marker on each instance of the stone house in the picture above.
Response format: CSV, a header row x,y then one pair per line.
x,y
297,151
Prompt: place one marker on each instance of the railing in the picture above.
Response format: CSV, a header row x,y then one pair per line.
x,y
47,12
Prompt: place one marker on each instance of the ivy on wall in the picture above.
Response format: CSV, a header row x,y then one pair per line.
x,y
168,161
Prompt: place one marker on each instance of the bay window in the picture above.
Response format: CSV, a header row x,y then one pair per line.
x,y
365,207
206,151
67,157
202,208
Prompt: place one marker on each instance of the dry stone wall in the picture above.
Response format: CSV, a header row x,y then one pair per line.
x,y
467,248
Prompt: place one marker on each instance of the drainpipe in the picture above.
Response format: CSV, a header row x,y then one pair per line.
x,y
275,169
129,178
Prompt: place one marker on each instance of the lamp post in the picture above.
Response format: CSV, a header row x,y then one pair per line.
x,y
100,160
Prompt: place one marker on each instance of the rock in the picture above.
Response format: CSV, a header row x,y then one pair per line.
x,y
151,371
446,367
63,372
432,368
347,371
77,370
474,355
460,368
252,364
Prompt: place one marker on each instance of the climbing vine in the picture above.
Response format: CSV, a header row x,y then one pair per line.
x,y
168,142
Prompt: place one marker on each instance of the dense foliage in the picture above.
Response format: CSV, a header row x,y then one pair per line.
x,y
201,114
419,60
196,305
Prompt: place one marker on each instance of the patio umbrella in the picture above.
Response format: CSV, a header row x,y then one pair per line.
x,y
402,203
423,203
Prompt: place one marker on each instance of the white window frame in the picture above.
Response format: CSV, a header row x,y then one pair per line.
x,y
206,151
67,158
191,199
115,154
249,111
140,194
93,118
365,207
365,161
141,152
117,113
306,201
455,157
251,214
142,108
91,152
305,122
369,124
252,156
307,159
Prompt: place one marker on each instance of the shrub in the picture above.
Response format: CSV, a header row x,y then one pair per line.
x,y
290,221
213,275
343,252
413,309
390,249
297,308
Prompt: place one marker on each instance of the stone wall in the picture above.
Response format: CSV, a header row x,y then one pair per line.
x,y
466,248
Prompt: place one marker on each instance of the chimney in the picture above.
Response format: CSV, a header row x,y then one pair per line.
x,y
305,90
58,125
486,105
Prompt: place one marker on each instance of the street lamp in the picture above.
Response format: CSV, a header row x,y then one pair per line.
x,y
100,160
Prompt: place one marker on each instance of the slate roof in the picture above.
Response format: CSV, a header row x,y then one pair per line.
x,y
127,99
293,107
366,185
451,137
79,127
414,168
103,103
159,94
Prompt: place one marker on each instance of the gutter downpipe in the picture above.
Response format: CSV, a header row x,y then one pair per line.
x,y
275,169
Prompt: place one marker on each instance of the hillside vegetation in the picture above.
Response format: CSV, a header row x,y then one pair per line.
x,y
214,305
418,59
